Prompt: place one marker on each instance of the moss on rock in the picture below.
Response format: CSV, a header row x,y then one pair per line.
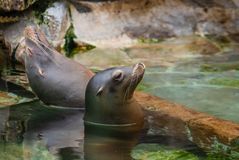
x,y
157,152
220,67
225,82
71,47
70,44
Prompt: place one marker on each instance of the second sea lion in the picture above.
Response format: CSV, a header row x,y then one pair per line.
x,y
55,79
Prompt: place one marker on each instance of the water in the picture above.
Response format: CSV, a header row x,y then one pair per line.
x,y
34,131
213,90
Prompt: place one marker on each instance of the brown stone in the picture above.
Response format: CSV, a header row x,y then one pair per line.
x,y
132,19
177,120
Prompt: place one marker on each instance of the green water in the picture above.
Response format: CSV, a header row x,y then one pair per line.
x,y
37,132
215,92
31,130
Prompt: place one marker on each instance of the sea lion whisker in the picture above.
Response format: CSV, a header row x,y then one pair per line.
x,y
29,52
39,46
42,43
126,92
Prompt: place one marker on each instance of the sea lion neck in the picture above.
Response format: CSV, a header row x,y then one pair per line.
x,y
36,42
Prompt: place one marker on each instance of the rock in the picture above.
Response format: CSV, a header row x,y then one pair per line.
x,y
171,119
121,23
218,21
104,58
205,130
236,2
164,53
14,32
15,5
99,22
55,23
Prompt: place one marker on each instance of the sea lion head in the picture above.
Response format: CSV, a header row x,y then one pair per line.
x,y
109,96
34,42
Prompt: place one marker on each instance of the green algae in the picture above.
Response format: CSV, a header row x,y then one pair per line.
x,y
150,40
71,47
221,42
225,82
219,67
14,151
219,151
157,152
142,87
11,151
70,44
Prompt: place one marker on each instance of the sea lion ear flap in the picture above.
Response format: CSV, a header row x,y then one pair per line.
x,y
100,90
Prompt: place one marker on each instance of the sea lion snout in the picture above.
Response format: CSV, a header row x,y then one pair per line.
x,y
140,65
138,70
20,50
27,45
29,31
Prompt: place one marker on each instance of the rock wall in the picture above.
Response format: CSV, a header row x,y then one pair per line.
x,y
167,118
120,22
127,19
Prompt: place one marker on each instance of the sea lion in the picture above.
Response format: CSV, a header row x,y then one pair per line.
x,y
109,99
55,79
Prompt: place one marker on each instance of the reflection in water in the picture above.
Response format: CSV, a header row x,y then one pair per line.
x,y
34,131
49,133
108,148
4,114
39,129
109,142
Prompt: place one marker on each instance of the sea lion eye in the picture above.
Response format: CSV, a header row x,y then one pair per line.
x,y
118,75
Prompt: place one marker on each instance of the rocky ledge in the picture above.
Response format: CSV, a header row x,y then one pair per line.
x,y
167,118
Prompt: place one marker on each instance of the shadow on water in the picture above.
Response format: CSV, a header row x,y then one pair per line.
x,y
40,132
